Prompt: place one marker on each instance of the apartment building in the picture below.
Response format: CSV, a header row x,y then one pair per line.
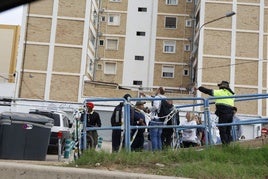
x,y
9,35
71,49
57,38
145,44
233,49
9,42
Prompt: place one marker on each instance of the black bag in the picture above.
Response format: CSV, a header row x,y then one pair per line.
x,y
165,109
117,115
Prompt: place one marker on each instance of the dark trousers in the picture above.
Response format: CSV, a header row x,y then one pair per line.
x,y
92,139
166,137
116,140
137,144
187,144
225,131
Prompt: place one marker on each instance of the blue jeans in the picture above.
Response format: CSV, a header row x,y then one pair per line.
x,y
155,135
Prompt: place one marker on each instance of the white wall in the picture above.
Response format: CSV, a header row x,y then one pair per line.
x,y
140,45
7,90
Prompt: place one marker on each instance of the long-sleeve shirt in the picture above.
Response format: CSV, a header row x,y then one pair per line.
x,y
189,134
93,119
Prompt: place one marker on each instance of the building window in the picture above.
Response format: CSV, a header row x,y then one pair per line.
x,y
189,1
113,19
99,67
171,2
139,33
142,9
139,58
171,22
185,72
187,47
188,23
110,68
112,44
102,18
169,47
101,42
168,71
136,82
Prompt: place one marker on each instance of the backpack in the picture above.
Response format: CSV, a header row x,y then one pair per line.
x,y
117,115
116,118
165,109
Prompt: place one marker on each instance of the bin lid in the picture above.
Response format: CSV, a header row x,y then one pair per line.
x,y
19,116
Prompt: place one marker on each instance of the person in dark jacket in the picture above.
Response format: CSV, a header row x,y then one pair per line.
x,y
93,120
117,119
139,120
224,108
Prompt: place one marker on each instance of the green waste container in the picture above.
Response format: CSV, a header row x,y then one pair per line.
x,y
24,136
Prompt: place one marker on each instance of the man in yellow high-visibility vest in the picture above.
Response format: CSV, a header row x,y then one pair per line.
x,y
224,108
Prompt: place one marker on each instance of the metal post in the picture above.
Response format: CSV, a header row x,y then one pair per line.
x,y
59,149
207,122
85,131
127,126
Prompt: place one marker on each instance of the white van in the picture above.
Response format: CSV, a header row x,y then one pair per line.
x,y
62,127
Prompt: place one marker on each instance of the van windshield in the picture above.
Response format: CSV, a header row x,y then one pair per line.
x,y
56,117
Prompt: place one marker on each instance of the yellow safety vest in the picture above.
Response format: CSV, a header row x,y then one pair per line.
x,y
223,92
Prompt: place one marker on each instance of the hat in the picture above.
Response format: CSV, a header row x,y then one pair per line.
x,y
126,96
140,103
90,105
264,130
235,108
224,84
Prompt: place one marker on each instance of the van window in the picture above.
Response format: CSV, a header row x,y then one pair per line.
x,y
65,122
56,118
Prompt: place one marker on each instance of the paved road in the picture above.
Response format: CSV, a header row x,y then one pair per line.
x,y
52,168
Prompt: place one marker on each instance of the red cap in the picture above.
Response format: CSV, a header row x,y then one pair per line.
x,y
264,130
90,105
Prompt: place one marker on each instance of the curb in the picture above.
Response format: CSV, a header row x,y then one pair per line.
x,y
14,170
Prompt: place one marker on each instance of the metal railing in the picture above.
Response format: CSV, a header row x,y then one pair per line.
x,y
197,101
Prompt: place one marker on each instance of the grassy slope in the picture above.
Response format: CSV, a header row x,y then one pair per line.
x,y
214,162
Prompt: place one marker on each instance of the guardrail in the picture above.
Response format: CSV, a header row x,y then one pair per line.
x,y
197,102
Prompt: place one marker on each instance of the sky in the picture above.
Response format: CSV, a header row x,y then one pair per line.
x,y
12,16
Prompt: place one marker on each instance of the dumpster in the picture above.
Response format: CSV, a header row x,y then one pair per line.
x,y
24,136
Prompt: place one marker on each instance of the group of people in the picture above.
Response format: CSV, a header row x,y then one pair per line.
x,y
138,112
161,137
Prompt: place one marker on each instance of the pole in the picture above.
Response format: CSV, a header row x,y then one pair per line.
x,y
229,14
193,54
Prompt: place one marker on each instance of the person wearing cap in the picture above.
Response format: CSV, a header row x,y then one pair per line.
x,y
264,132
93,120
139,120
224,108
117,119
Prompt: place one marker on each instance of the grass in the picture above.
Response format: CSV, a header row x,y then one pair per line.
x,y
214,162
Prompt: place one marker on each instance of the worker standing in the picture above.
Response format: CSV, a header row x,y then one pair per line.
x,y
224,108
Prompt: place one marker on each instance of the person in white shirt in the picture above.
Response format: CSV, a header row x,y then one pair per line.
x,y
189,137
155,133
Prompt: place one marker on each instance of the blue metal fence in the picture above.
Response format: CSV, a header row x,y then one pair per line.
x,y
197,102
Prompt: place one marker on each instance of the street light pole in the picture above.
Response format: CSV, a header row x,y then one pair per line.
x,y
195,41
195,48
228,14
